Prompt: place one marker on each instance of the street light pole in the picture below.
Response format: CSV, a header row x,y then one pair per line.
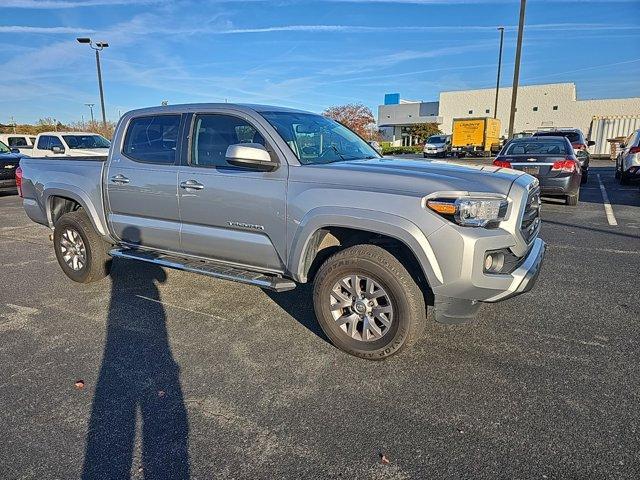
x,y
104,118
90,105
516,70
495,108
98,47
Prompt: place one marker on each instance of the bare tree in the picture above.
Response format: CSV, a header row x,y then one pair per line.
x,y
356,116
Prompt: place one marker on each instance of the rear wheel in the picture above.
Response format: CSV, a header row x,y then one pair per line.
x,y
81,252
624,180
585,177
367,303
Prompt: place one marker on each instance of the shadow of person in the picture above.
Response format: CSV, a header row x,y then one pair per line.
x,y
138,374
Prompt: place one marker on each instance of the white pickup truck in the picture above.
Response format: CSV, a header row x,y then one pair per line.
x,y
70,144
21,141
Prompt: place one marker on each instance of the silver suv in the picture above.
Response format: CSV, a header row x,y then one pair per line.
x,y
628,160
276,197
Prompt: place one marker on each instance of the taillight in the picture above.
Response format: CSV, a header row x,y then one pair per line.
x,y
502,163
634,150
579,146
566,166
19,180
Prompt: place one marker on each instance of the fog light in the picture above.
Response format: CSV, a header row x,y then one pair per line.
x,y
493,262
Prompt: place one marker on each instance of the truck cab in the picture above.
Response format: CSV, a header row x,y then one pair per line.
x,y
70,144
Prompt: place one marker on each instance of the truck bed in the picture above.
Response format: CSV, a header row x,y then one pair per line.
x,y
75,178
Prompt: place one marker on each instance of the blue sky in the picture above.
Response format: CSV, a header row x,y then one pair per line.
x,y
303,54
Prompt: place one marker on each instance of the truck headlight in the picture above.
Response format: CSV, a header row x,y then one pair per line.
x,y
471,211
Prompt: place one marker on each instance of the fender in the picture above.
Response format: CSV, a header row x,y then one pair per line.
x,y
75,193
373,221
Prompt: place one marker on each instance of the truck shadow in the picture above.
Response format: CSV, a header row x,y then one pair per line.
x,y
299,304
138,376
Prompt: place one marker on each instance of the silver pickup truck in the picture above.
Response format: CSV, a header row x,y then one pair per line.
x,y
275,197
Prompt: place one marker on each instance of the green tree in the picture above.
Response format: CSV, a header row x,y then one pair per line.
x,y
424,130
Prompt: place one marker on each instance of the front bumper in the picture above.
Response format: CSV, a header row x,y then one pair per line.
x,y
526,275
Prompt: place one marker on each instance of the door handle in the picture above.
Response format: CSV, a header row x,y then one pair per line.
x,y
121,179
191,185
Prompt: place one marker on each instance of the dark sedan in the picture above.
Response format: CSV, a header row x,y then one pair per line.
x,y
9,161
550,159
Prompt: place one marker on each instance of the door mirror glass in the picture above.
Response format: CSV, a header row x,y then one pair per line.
x,y
57,149
250,155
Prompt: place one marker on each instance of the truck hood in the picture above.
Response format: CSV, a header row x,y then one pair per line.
x,y
419,176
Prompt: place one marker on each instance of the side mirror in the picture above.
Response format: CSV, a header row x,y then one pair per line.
x,y
591,143
250,155
56,149
623,145
15,150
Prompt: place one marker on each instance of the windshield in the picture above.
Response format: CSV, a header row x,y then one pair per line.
x,y
86,141
574,137
315,139
437,139
545,147
4,148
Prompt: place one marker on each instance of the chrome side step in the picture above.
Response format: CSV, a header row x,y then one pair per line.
x,y
211,269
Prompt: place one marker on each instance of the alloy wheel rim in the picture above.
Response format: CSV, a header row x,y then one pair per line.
x,y
361,307
74,252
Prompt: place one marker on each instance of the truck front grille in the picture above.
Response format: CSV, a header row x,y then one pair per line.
x,y
530,224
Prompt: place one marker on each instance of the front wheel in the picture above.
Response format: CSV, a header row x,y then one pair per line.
x,y
81,252
367,303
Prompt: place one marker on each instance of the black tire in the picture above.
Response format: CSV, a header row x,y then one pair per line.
x,y
98,261
624,180
572,200
424,155
617,174
585,177
406,298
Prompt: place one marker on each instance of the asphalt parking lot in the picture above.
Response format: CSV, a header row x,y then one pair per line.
x,y
189,376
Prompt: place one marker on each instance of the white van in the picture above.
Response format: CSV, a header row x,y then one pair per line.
x,y
21,141
70,144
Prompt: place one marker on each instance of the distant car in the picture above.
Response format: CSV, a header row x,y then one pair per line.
x,y
550,159
628,160
578,142
70,144
23,142
437,146
9,161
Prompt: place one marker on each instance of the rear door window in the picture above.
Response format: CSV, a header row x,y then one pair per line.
x,y
152,139
552,147
43,142
18,142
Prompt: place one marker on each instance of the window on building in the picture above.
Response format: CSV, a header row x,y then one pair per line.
x,y
535,109
555,107
487,110
470,112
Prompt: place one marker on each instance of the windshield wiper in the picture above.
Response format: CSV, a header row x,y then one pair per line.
x,y
338,152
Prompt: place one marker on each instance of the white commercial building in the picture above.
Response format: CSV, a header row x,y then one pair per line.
x,y
552,105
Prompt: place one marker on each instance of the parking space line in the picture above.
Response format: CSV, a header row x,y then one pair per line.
x,y
216,317
607,206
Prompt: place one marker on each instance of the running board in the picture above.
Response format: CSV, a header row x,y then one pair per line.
x,y
211,269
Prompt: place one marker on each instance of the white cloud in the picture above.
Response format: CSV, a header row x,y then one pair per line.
x,y
63,4
55,30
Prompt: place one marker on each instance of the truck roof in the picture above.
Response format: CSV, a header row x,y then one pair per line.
x,y
193,107
68,133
